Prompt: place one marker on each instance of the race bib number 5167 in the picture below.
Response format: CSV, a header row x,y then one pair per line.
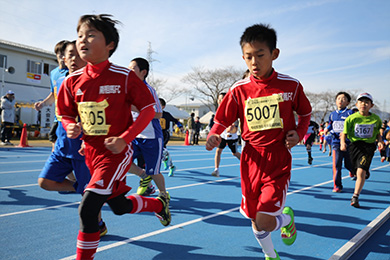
x,y
93,117
263,113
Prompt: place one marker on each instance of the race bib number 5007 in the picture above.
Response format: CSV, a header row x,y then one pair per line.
x,y
263,113
93,117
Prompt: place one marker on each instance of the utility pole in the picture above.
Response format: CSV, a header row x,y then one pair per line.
x,y
150,59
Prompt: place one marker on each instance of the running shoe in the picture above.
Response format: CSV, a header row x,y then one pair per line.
x,y
143,185
289,232
172,170
337,190
164,215
103,229
150,190
215,173
166,166
355,202
165,159
310,160
273,258
330,153
167,196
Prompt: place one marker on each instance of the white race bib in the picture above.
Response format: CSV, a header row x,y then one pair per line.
x,y
338,126
263,113
93,117
364,131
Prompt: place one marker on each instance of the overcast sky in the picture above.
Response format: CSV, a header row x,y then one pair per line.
x,y
326,44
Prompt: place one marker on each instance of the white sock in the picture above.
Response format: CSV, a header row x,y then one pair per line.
x,y
282,220
170,163
265,241
216,169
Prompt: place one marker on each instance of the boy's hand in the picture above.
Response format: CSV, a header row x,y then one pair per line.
x,y
38,105
115,144
343,146
381,146
212,141
73,130
81,150
292,139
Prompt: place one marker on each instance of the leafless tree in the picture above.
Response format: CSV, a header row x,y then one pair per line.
x,y
207,84
322,104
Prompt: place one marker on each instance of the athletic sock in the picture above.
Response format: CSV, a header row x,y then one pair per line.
x,y
282,220
265,241
145,204
170,163
309,153
87,243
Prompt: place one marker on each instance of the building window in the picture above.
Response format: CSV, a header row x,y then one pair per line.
x,y
3,61
34,67
47,68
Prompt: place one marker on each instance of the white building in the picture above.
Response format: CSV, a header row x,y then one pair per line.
x,y
26,71
199,109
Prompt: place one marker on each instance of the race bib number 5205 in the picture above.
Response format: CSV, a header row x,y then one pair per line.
x,y
263,113
93,117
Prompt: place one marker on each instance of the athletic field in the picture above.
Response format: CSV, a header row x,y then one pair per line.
x,y
206,223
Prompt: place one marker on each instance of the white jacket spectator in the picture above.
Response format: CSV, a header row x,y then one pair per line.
x,y
7,117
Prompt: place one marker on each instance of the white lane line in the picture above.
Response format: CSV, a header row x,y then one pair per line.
x,y
349,248
40,209
18,186
13,162
22,171
157,232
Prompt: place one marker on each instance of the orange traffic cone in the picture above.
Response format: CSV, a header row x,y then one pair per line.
x,y
186,139
23,138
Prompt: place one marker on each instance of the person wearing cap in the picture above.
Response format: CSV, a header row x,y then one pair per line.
x,y
362,129
7,117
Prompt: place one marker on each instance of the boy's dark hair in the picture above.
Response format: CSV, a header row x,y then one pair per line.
x,y
162,102
60,47
142,65
104,24
67,43
348,96
246,74
259,33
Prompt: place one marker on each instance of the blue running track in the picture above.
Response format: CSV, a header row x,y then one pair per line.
x,y
206,223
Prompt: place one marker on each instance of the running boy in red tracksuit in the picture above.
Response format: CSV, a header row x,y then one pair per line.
x,y
101,94
264,103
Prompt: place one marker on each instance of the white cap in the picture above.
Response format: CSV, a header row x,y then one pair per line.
x,y
365,95
10,92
